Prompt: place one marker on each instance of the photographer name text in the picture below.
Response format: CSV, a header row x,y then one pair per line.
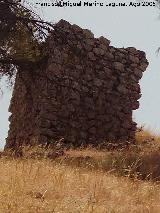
x,y
96,4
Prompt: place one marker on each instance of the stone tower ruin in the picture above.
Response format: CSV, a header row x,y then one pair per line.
x,y
86,92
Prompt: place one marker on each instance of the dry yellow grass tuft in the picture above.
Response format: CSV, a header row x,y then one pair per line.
x,y
45,186
84,181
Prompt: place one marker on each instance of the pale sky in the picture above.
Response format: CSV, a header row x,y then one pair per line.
x,y
125,27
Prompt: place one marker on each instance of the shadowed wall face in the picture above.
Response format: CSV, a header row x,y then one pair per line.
x,y
86,93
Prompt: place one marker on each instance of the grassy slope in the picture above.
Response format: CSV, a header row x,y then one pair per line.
x,y
85,181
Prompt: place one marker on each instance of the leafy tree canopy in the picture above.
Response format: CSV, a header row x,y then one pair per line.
x,y
22,34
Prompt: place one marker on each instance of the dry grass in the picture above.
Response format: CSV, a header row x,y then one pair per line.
x,y
84,181
44,186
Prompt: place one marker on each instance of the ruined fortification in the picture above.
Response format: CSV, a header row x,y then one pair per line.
x,y
86,93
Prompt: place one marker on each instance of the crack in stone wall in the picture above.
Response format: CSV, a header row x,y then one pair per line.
x,y
85,94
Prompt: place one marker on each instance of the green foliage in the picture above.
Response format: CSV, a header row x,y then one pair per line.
x,y
24,47
22,36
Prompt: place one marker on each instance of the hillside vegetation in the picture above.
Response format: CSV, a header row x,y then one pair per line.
x,y
84,180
